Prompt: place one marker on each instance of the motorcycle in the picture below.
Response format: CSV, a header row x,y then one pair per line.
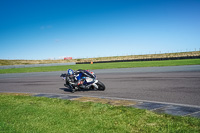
x,y
87,79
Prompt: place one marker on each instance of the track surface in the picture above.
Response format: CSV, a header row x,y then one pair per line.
x,y
178,84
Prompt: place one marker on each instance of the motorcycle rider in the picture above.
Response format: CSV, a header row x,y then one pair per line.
x,y
71,79
76,78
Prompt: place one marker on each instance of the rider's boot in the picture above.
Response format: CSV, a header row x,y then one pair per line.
x,y
66,85
73,90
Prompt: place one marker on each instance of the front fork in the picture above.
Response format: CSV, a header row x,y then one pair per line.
x,y
95,85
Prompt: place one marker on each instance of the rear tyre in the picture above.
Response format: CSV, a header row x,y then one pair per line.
x,y
101,86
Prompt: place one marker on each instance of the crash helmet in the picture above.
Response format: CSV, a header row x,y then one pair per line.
x,y
70,71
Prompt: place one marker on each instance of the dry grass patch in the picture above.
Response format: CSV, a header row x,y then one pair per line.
x,y
106,101
15,94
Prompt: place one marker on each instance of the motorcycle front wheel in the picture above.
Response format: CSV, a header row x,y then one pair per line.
x,y
101,86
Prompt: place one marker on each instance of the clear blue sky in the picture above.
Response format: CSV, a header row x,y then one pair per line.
x,y
42,29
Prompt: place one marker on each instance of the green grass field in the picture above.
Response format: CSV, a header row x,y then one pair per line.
x,y
105,66
27,114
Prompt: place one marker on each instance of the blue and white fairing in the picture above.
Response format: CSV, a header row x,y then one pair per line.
x,y
88,77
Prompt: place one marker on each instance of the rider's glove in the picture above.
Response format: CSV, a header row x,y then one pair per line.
x,y
80,82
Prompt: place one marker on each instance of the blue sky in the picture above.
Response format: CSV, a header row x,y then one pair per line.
x,y
42,29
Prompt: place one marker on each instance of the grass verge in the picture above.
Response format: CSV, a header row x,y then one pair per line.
x,y
105,66
37,114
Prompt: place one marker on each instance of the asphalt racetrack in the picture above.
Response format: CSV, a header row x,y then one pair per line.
x,y
175,84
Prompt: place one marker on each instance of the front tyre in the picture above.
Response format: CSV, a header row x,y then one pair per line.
x,y
101,86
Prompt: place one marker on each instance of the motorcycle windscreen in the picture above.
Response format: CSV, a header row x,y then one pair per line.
x,y
89,74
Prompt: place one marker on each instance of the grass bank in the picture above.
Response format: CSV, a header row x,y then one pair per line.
x,y
112,58
105,66
20,113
